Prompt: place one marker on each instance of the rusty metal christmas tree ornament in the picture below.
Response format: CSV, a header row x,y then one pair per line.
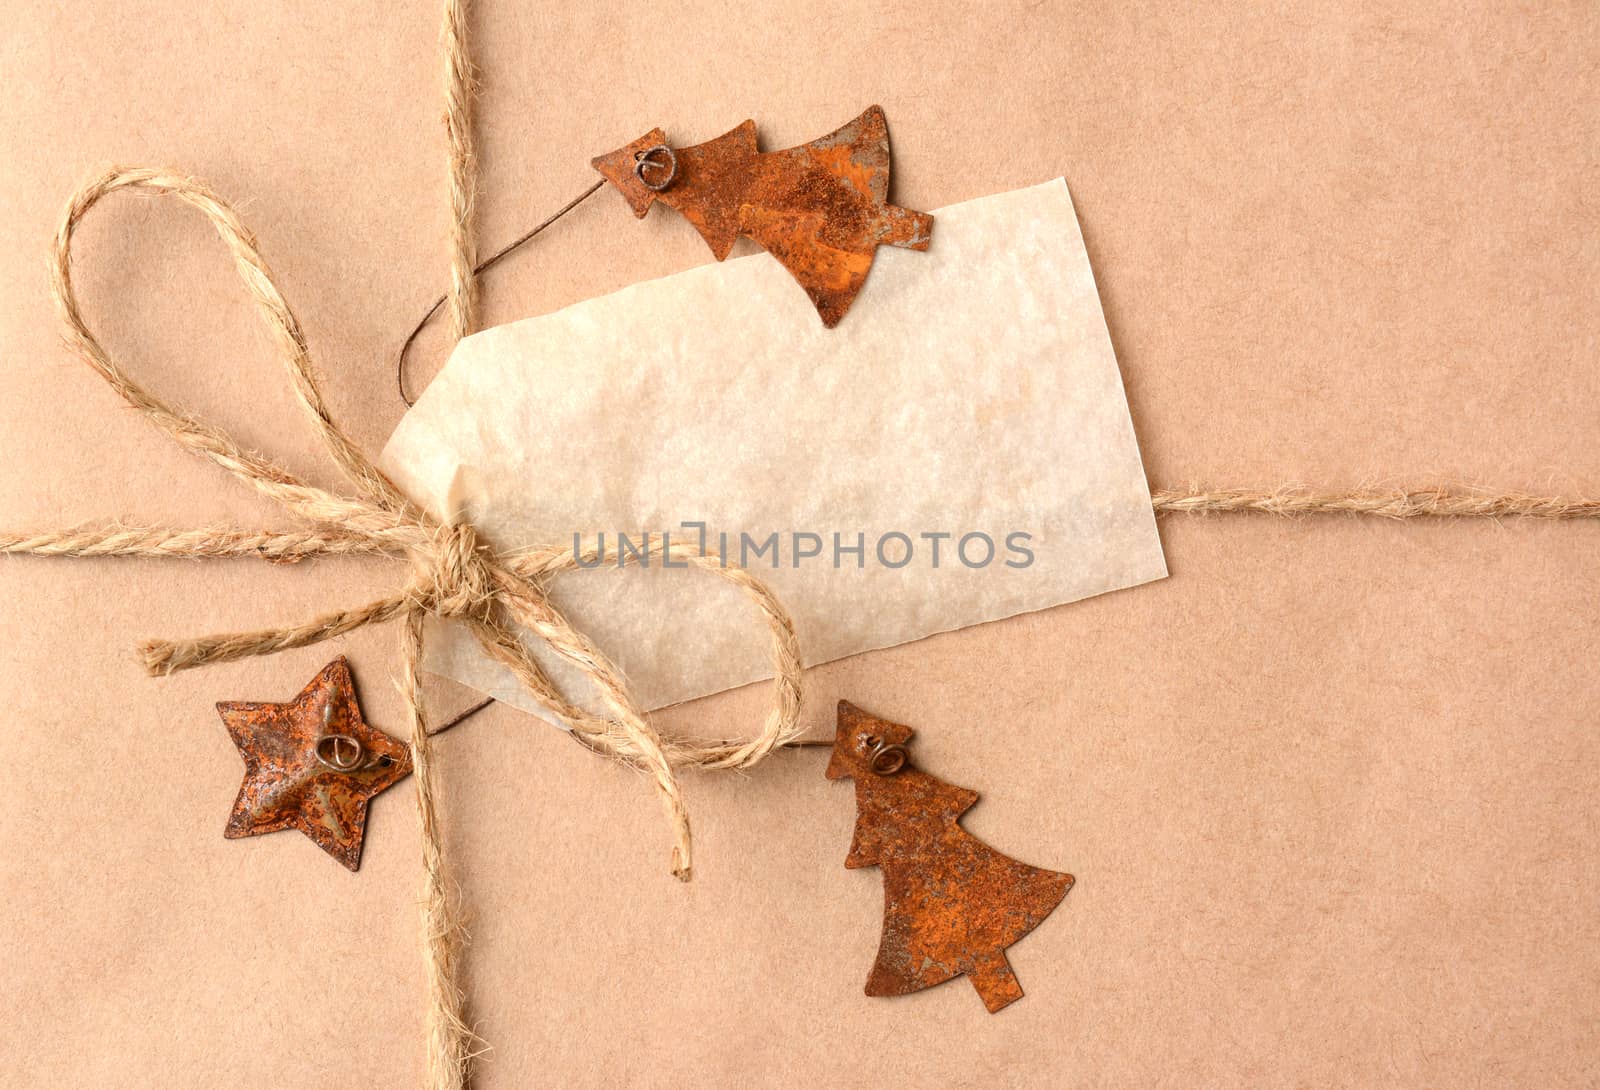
x,y
822,209
951,903
312,764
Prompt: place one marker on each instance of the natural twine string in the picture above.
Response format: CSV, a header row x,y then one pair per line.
x,y
291,546
458,87
1393,503
450,1042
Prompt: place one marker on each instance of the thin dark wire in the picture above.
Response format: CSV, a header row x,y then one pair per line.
x,y
462,716
483,266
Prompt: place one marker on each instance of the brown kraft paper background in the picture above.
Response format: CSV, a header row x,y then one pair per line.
x,y
1329,791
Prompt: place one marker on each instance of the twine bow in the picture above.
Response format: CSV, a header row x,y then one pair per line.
x,y
454,575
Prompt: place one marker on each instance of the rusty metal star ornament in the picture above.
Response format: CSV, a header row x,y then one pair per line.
x,y
312,764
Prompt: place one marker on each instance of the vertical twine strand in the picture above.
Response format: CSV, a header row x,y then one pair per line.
x,y
458,87
449,1039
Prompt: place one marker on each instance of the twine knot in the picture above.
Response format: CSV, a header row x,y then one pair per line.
x,y
454,570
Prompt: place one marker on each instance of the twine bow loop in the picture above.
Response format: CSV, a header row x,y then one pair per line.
x,y
499,597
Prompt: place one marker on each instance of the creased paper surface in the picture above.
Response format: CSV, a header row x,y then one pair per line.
x,y
971,390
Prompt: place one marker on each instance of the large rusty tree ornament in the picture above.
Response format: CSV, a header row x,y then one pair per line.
x,y
822,209
951,903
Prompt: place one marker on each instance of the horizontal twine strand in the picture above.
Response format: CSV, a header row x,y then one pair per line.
x,y
1440,503
291,546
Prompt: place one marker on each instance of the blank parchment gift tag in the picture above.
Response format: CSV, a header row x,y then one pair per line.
x,y
956,451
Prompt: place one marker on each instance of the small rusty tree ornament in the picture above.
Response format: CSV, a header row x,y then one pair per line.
x,y
822,209
951,903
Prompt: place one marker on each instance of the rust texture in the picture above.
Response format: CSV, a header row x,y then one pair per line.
x,y
951,903
822,209
312,764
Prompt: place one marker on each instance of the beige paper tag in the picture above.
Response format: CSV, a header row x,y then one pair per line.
x,y
958,450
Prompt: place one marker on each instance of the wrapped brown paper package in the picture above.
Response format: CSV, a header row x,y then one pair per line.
x,y
1329,790
974,391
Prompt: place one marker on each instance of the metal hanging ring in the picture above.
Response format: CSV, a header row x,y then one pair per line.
x,y
887,760
648,158
341,752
